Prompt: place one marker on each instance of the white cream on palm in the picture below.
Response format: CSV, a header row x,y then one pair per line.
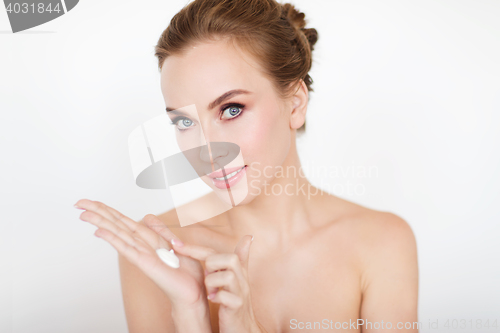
x,y
168,257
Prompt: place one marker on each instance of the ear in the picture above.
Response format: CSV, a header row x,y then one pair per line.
x,y
299,106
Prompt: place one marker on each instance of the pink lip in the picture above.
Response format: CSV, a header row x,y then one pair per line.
x,y
219,174
227,183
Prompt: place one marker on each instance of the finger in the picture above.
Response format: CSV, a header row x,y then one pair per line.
x,y
103,223
125,249
227,261
226,298
115,217
101,209
151,236
222,279
148,262
158,226
194,251
141,244
131,224
111,214
242,250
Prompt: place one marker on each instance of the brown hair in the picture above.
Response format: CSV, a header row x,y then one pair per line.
x,y
274,33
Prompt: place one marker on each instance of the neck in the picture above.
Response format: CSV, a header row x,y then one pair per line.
x,y
282,211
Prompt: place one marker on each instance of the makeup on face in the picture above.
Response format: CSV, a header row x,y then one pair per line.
x,y
227,177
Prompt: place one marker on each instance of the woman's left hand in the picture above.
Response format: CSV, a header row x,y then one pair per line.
x,y
226,281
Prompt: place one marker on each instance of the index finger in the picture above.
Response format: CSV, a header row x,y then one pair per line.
x,y
194,251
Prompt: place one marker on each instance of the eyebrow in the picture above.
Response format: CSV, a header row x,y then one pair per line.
x,y
219,100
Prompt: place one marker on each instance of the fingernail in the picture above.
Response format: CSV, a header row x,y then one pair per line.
x,y
77,206
211,296
252,238
177,242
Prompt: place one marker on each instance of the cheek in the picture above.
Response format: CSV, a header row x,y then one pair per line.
x,y
265,138
189,139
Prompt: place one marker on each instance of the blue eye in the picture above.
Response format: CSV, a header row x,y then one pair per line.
x,y
232,111
182,123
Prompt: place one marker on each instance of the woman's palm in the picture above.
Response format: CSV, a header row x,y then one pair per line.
x,y
137,242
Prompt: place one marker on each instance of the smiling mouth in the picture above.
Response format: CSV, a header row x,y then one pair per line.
x,y
230,180
230,175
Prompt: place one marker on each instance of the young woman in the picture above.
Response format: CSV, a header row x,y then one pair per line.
x,y
295,259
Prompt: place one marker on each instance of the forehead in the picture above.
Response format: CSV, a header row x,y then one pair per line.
x,y
207,70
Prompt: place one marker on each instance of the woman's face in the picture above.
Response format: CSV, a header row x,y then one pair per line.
x,y
255,118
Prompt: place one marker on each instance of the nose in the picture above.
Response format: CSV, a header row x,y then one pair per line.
x,y
205,154
218,152
213,148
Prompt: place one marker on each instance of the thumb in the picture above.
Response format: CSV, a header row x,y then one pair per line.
x,y
243,250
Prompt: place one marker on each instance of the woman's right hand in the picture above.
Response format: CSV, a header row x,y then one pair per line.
x,y
184,286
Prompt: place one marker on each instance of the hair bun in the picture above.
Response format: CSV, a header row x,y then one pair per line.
x,y
298,21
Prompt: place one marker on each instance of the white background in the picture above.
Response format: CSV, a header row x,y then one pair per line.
x,y
408,87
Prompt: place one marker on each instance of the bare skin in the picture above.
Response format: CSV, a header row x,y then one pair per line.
x,y
349,262
336,260
314,257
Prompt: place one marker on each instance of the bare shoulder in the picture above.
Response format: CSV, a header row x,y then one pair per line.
x,y
373,228
384,232
384,249
374,235
382,229
388,244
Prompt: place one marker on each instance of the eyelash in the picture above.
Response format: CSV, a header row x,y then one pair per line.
x,y
227,106
221,112
176,120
